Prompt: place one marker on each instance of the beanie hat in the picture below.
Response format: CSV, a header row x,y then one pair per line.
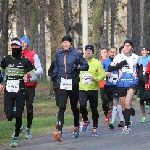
x,y
120,49
26,40
16,42
128,41
91,47
67,38
145,48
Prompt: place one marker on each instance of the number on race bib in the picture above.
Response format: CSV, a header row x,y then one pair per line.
x,y
86,78
12,86
66,84
127,69
113,78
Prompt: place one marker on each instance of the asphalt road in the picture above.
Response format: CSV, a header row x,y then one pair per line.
x,y
107,139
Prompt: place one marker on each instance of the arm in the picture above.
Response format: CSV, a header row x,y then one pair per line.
x,y
56,66
83,63
31,76
117,66
101,73
37,65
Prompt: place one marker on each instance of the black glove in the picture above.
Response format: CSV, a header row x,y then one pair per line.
x,y
122,63
76,68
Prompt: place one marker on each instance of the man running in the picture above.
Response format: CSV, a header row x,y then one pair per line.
x,y
69,62
127,63
111,89
30,87
88,89
17,69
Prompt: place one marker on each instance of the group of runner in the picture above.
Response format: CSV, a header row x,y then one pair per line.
x,y
120,76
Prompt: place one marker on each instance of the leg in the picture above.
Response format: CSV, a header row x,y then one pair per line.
x,y
20,103
9,103
83,103
128,100
74,96
63,96
30,95
104,101
93,99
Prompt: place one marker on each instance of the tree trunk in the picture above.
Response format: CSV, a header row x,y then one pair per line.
x,y
107,21
146,23
66,16
97,27
57,25
42,44
33,22
71,20
80,31
129,20
5,21
113,20
20,18
136,25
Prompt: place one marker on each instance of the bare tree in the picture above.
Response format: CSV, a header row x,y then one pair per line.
x,y
129,20
4,33
97,27
136,25
56,24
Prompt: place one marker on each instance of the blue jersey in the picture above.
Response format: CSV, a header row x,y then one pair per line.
x,y
128,73
144,61
113,79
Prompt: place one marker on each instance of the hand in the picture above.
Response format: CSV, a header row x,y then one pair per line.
x,y
108,74
75,67
147,86
123,63
1,88
25,78
91,78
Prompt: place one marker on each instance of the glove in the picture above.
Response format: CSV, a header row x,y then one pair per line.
x,y
76,68
122,63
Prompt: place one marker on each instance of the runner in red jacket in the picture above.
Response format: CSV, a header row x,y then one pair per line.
x,y
30,86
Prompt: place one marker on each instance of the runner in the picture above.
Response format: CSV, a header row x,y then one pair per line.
x,y
111,89
88,89
127,63
104,55
144,59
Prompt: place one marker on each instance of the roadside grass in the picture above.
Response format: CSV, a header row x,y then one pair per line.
x,y
45,114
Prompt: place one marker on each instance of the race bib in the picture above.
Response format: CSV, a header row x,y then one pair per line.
x,y
66,84
127,69
113,78
86,78
12,86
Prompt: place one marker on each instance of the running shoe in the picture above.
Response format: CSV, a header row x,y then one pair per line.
x,y
85,126
28,134
121,124
143,120
111,125
94,132
76,132
14,142
58,136
124,130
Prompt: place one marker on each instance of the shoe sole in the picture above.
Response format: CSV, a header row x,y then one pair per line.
x,y
57,137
